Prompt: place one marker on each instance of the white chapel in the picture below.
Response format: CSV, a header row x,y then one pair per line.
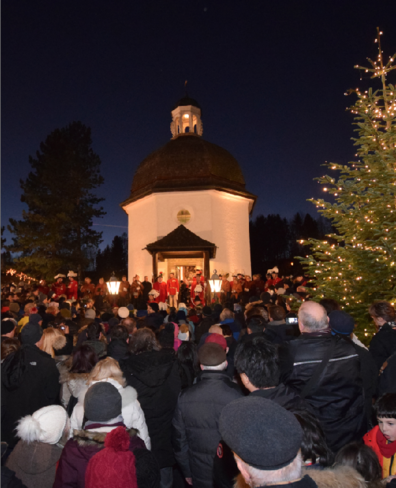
x,y
188,205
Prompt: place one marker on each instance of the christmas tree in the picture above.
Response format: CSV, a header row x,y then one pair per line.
x,y
356,265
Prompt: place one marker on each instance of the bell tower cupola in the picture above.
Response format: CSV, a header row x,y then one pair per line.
x,y
186,118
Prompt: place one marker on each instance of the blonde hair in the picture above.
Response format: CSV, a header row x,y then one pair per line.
x,y
29,307
184,328
52,339
105,369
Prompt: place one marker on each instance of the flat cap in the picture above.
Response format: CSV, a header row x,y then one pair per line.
x,y
262,433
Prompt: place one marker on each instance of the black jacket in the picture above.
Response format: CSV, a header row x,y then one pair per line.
x,y
203,328
147,287
284,396
29,381
338,398
387,379
383,344
195,425
155,376
118,349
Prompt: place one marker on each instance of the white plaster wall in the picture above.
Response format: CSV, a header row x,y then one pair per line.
x,y
218,217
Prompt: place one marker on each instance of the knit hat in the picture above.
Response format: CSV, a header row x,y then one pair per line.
x,y
142,313
211,354
180,315
123,312
217,339
90,313
14,307
102,402
45,425
113,322
262,433
154,306
35,318
341,322
206,310
8,325
31,334
114,465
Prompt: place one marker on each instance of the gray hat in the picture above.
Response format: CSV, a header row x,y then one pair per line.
x,y
90,313
31,334
102,402
262,433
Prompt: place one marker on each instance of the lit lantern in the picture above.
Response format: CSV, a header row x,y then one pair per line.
x,y
113,285
215,282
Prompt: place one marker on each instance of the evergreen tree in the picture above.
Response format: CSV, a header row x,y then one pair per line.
x,y
113,258
356,265
56,230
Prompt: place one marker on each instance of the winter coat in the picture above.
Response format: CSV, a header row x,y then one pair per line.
x,y
118,349
35,463
98,346
338,397
132,412
147,287
155,376
9,480
383,344
86,443
305,482
284,396
370,439
195,424
29,381
336,477
72,385
203,327
386,380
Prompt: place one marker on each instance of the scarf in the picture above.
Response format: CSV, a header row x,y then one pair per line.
x,y
387,450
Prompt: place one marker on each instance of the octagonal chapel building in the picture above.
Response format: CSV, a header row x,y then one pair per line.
x,y
188,205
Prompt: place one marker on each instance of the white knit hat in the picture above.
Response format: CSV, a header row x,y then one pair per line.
x,y
123,312
45,425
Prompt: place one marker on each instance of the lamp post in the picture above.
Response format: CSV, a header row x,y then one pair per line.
x,y
113,285
215,283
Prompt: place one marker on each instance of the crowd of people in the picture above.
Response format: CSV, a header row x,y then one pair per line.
x,y
173,389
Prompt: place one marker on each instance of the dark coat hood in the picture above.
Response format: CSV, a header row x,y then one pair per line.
x,y
151,368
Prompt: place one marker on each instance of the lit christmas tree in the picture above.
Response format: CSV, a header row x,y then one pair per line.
x,y
357,265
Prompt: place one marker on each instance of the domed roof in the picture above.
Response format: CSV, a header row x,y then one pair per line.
x,y
186,101
185,163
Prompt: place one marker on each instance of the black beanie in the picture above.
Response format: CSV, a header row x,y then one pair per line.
x,y
207,310
262,433
102,402
31,334
8,325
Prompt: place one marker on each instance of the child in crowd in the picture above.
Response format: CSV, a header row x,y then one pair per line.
x,y
382,439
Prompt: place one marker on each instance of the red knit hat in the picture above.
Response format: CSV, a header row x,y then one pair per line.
x,y
113,466
217,339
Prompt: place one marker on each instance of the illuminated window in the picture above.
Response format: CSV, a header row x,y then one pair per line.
x,y
183,216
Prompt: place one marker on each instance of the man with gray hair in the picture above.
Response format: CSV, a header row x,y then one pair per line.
x,y
325,370
195,424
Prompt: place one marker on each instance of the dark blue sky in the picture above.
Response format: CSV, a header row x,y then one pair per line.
x,y
270,78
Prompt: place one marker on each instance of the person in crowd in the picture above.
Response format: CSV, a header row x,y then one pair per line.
x,y
257,363
8,346
52,339
119,343
364,460
154,318
183,333
42,437
343,324
382,438
227,317
95,339
265,440
103,415
386,380
325,370
87,289
187,359
205,324
8,328
195,423
74,380
383,344
72,287
277,323
49,316
154,373
130,324
109,371
28,309
29,381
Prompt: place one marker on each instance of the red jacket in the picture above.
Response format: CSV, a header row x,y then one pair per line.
x,y
162,289
173,286
59,289
200,294
72,290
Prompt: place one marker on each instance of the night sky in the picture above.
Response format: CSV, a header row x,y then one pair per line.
x,y
270,78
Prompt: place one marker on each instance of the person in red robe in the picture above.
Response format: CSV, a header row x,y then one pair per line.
x,y
162,289
72,288
43,287
59,288
198,287
87,289
173,290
